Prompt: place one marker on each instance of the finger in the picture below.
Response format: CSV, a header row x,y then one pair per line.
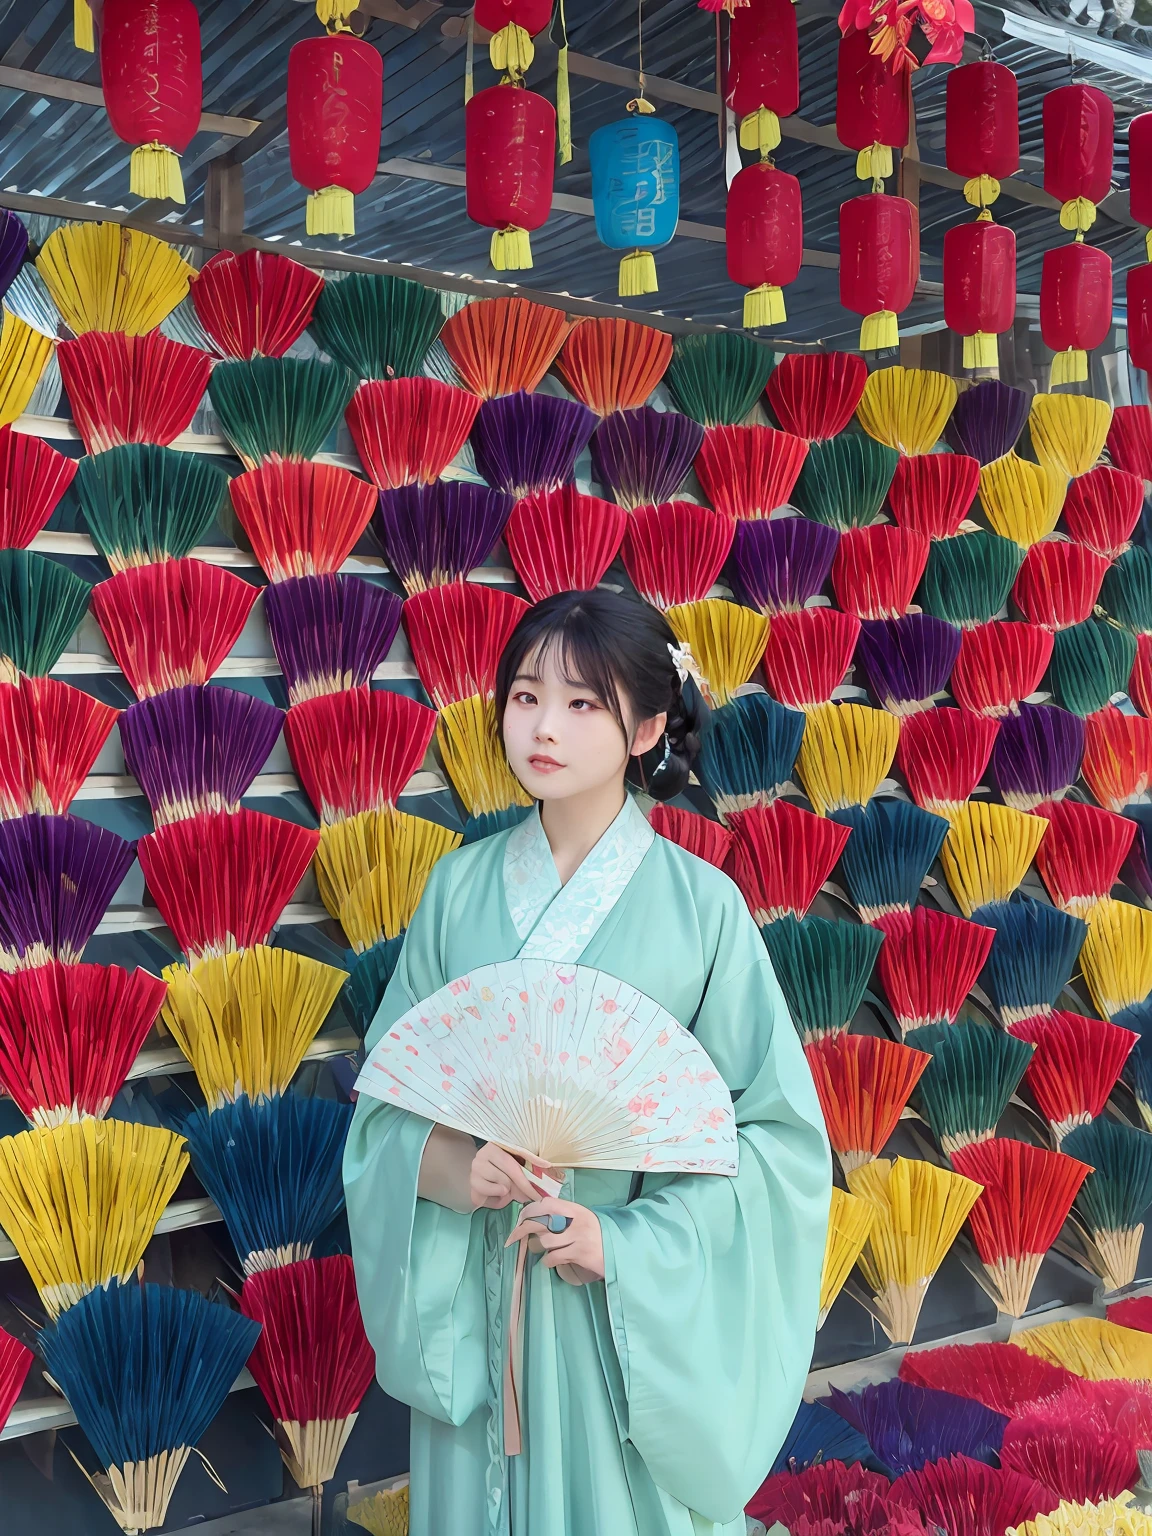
x,y
493,1184
550,1206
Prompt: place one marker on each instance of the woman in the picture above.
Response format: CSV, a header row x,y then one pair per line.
x,y
668,1329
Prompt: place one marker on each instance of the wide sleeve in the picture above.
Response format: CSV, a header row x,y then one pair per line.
x,y
713,1283
419,1266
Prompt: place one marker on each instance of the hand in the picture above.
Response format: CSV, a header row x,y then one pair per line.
x,y
576,1253
496,1179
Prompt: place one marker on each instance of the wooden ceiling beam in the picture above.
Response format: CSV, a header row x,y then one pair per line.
x,y
33,83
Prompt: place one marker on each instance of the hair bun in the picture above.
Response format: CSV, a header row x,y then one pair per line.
x,y
687,721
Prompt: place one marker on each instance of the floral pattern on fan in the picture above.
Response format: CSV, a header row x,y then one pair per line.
x,y
559,1063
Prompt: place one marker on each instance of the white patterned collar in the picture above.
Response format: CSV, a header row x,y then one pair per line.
x,y
557,922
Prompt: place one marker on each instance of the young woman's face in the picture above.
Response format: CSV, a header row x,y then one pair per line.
x,y
562,740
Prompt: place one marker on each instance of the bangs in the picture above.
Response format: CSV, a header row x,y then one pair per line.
x,y
580,655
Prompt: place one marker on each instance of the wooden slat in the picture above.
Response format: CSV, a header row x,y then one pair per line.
x,y
33,83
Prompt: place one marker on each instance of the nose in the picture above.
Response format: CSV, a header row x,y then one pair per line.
x,y
544,728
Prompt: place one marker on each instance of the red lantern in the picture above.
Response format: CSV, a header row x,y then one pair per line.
x,y
1138,292
763,70
879,264
1075,307
982,128
513,24
153,89
1078,126
509,161
1140,171
979,287
764,230
872,106
335,112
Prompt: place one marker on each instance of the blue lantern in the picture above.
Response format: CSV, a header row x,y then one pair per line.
x,y
636,193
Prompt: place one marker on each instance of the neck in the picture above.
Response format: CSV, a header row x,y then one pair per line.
x,y
574,826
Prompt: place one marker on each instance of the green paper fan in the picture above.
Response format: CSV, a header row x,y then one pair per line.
x,y
368,980
717,377
279,407
143,503
844,480
41,605
1090,663
379,327
1116,1196
974,1071
823,969
1126,594
968,577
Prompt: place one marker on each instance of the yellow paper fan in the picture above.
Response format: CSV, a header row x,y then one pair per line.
x,y
727,642
1069,431
906,408
381,904
845,754
1111,1517
245,1020
1022,500
918,1212
103,277
81,1201
1091,1347
474,759
1117,955
24,355
987,852
384,1514
351,850
849,1222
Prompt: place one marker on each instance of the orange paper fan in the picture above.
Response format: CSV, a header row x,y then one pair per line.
x,y
863,1084
302,519
1117,765
614,364
498,346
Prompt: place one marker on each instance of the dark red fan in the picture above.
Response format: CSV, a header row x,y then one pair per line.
x,y
1075,1066
942,754
1102,508
254,303
563,541
929,963
673,553
782,856
815,394
457,633
33,477
1058,583
50,735
877,570
407,431
1080,858
808,654
749,471
999,666
131,389
706,839
931,493
355,750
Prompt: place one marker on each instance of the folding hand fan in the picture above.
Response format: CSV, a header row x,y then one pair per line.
x,y
823,969
707,839
846,754
808,654
849,1223
1037,756
987,420
863,1083
1032,958
975,1070
407,431
1068,431
57,877
371,869
33,477
674,552
643,456
942,754
929,964
748,472
379,326
906,408
968,578
818,1435
15,1363
779,564
726,640
892,848
1091,665
907,661
103,277
969,1498
783,855
1001,1376
1078,1459
1130,439
41,603
24,355
1058,584
470,749
1091,1347
876,570
525,443
828,1494
613,364
368,981
282,407
131,389
1117,763
815,394
435,534
748,753
143,503
909,1427
931,493
718,376
844,481
254,303
357,749
987,853
1126,592
301,519
50,735
1082,853
563,541
1102,508
383,1513
1021,500
1117,956
330,632
499,346
1113,1201
999,665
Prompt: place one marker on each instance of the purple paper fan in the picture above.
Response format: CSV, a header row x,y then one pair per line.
x,y
643,456
57,876
987,420
907,660
1037,755
526,443
779,563
13,248
197,748
907,1425
330,632
437,533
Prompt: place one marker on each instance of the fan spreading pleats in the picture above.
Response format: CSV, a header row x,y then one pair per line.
x,y
499,346
254,303
906,408
103,277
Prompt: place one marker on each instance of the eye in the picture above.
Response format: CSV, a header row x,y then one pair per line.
x,y
524,698
583,705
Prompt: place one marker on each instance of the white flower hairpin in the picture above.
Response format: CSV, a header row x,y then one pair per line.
x,y
686,667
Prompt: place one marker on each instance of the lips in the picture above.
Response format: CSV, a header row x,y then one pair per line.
x,y
544,764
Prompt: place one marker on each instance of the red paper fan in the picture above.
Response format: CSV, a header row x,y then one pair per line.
x,y
1130,439
254,303
614,364
131,389
782,856
563,541
822,1500
1135,1312
457,633
863,1084
1080,858
929,963
749,471
1117,764
15,1363
1078,1460
969,1498
301,518
999,666
1118,1406
50,735
1003,1377
222,880
877,570
172,623
355,750
499,346
1075,1066
1027,1194
808,654
1102,508
1058,583
673,553
33,477
942,754
407,431
931,493
1140,683
707,839
815,394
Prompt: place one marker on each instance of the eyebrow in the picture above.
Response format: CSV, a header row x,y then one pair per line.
x,y
527,677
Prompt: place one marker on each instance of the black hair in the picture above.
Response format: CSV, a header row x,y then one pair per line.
x,y
618,647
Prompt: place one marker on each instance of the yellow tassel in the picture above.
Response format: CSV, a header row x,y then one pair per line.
x,y
24,355
874,163
764,306
727,641
1021,500
1069,431
849,1223
154,171
471,752
906,408
637,274
1148,244
981,191
987,852
1078,213
336,13
981,350
83,32
469,58
511,249
511,51
879,331
563,108
1091,1347
760,130
845,754
103,277
1069,367
331,211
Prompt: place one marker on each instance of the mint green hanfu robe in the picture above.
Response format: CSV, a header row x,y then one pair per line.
x,y
654,1401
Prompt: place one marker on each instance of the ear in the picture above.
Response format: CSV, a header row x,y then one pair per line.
x,y
648,733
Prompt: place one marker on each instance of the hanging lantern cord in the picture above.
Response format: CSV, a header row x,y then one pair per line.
x,y
641,103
